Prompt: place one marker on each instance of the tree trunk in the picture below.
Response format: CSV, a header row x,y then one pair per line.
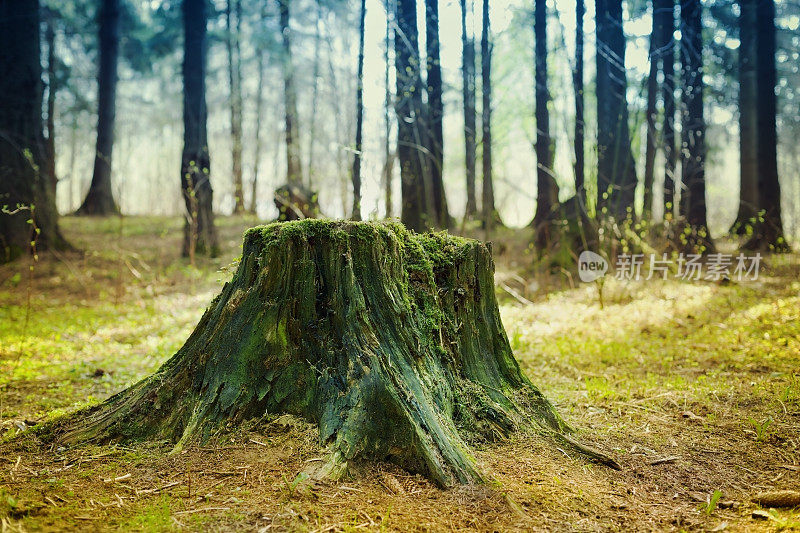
x,y
232,37
547,188
769,230
748,122
693,147
52,88
665,11
414,213
580,125
312,130
100,198
258,144
490,214
24,185
73,152
390,342
616,173
294,170
356,212
388,154
652,118
435,112
200,235
470,120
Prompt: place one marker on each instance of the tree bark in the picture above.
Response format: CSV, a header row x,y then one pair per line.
x,y
388,154
312,132
100,198
616,173
693,147
52,88
651,119
200,235
391,342
415,209
490,214
232,42
547,187
24,183
470,120
665,11
769,229
294,170
356,212
580,125
435,113
258,144
748,119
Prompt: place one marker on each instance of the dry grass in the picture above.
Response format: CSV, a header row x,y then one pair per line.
x,y
701,377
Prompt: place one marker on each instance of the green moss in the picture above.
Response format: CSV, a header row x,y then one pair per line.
x,y
423,252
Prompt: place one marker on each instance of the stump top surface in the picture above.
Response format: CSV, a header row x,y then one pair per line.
x,y
439,248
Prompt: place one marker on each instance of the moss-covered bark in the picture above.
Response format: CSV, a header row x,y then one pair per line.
x,y
390,341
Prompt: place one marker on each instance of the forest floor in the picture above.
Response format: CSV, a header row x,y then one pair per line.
x,y
693,387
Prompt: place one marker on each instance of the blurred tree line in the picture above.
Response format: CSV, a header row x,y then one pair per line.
x,y
293,76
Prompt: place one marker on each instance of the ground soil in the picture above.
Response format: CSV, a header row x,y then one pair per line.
x,y
693,387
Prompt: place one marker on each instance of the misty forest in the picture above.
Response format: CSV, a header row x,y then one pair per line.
x,y
399,265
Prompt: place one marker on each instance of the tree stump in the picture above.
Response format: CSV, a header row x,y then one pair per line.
x,y
390,341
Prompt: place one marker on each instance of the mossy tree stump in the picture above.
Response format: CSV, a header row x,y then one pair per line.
x,y
390,341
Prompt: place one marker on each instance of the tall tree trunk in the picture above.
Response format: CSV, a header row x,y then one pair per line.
x,y
388,154
73,152
693,190
415,212
616,173
232,38
580,125
468,93
435,112
258,144
52,88
769,230
547,188
200,235
652,118
356,212
490,214
748,121
294,170
665,11
100,198
24,184
341,129
312,132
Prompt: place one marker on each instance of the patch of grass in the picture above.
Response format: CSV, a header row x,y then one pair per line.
x,y
760,427
155,517
711,505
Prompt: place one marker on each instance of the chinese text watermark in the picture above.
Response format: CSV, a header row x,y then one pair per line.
x,y
687,267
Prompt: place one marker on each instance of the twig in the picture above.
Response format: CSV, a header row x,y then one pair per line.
x,y
200,510
597,455
159,489
517,296
663,460
114,480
